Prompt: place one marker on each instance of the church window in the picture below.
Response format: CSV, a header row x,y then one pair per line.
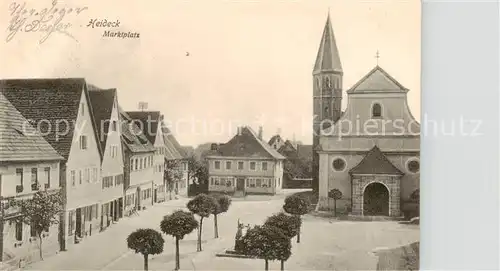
x,y
338,164
413,166
327,82
376,110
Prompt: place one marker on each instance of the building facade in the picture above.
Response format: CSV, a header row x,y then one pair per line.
x,y
245,165
28,164
138,166
60,108
370,152
105,111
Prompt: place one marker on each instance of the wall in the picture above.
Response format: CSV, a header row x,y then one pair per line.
x,y
112,163
159,159
273,172
27,250
86,191
141,174
234,171
396,134
10,180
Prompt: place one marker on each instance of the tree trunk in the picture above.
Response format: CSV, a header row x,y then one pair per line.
x,y
334,207
216,228
177,258
199,234
40,243
282,265
267,265
298,234
145,262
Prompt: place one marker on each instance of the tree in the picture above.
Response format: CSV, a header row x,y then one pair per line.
x,y
223,203
297,206
198,173
40,212
146,242
178,224
335,194
289,225
202,205
173,173
268,243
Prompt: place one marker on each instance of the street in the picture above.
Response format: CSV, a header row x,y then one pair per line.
x,y
325,244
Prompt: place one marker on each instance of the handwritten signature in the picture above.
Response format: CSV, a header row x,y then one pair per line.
x,y
46,21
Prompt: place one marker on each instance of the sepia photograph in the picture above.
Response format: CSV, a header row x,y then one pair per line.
x,y
210,135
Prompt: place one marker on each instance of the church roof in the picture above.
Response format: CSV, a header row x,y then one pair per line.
x,y
377,80
328,58
375,162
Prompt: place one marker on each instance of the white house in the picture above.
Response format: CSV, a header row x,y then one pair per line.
x,y
107,118
28,163
60,109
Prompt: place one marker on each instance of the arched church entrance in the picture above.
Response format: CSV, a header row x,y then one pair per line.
x,y
376,200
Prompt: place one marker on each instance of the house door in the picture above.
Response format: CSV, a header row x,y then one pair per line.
x,y
78,227
240,184
376,200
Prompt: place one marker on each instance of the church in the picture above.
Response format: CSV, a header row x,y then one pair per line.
x,y
370,151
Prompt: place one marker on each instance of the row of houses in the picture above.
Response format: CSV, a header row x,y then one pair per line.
x,y
68,135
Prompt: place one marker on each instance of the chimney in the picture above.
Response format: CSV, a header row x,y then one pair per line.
x,y
260,132
238,130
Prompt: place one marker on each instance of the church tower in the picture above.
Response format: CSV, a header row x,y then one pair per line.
x,y
327,91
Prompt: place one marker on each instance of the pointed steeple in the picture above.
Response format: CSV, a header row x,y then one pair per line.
x,y
328,58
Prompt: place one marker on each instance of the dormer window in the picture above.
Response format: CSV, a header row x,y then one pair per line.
x,y
376,110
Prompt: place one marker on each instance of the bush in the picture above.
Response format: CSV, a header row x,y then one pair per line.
x,y
268,243
289,225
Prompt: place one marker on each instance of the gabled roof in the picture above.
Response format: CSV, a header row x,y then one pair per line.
x,y
52,104
247,144
287,149
174,150
377,80
375,162
274,139
132,136
149,122
102,105
328,58
19,141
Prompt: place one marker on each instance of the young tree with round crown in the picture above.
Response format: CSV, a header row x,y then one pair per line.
x,y
178,224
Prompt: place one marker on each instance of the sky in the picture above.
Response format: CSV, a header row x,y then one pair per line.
x,y
249,63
